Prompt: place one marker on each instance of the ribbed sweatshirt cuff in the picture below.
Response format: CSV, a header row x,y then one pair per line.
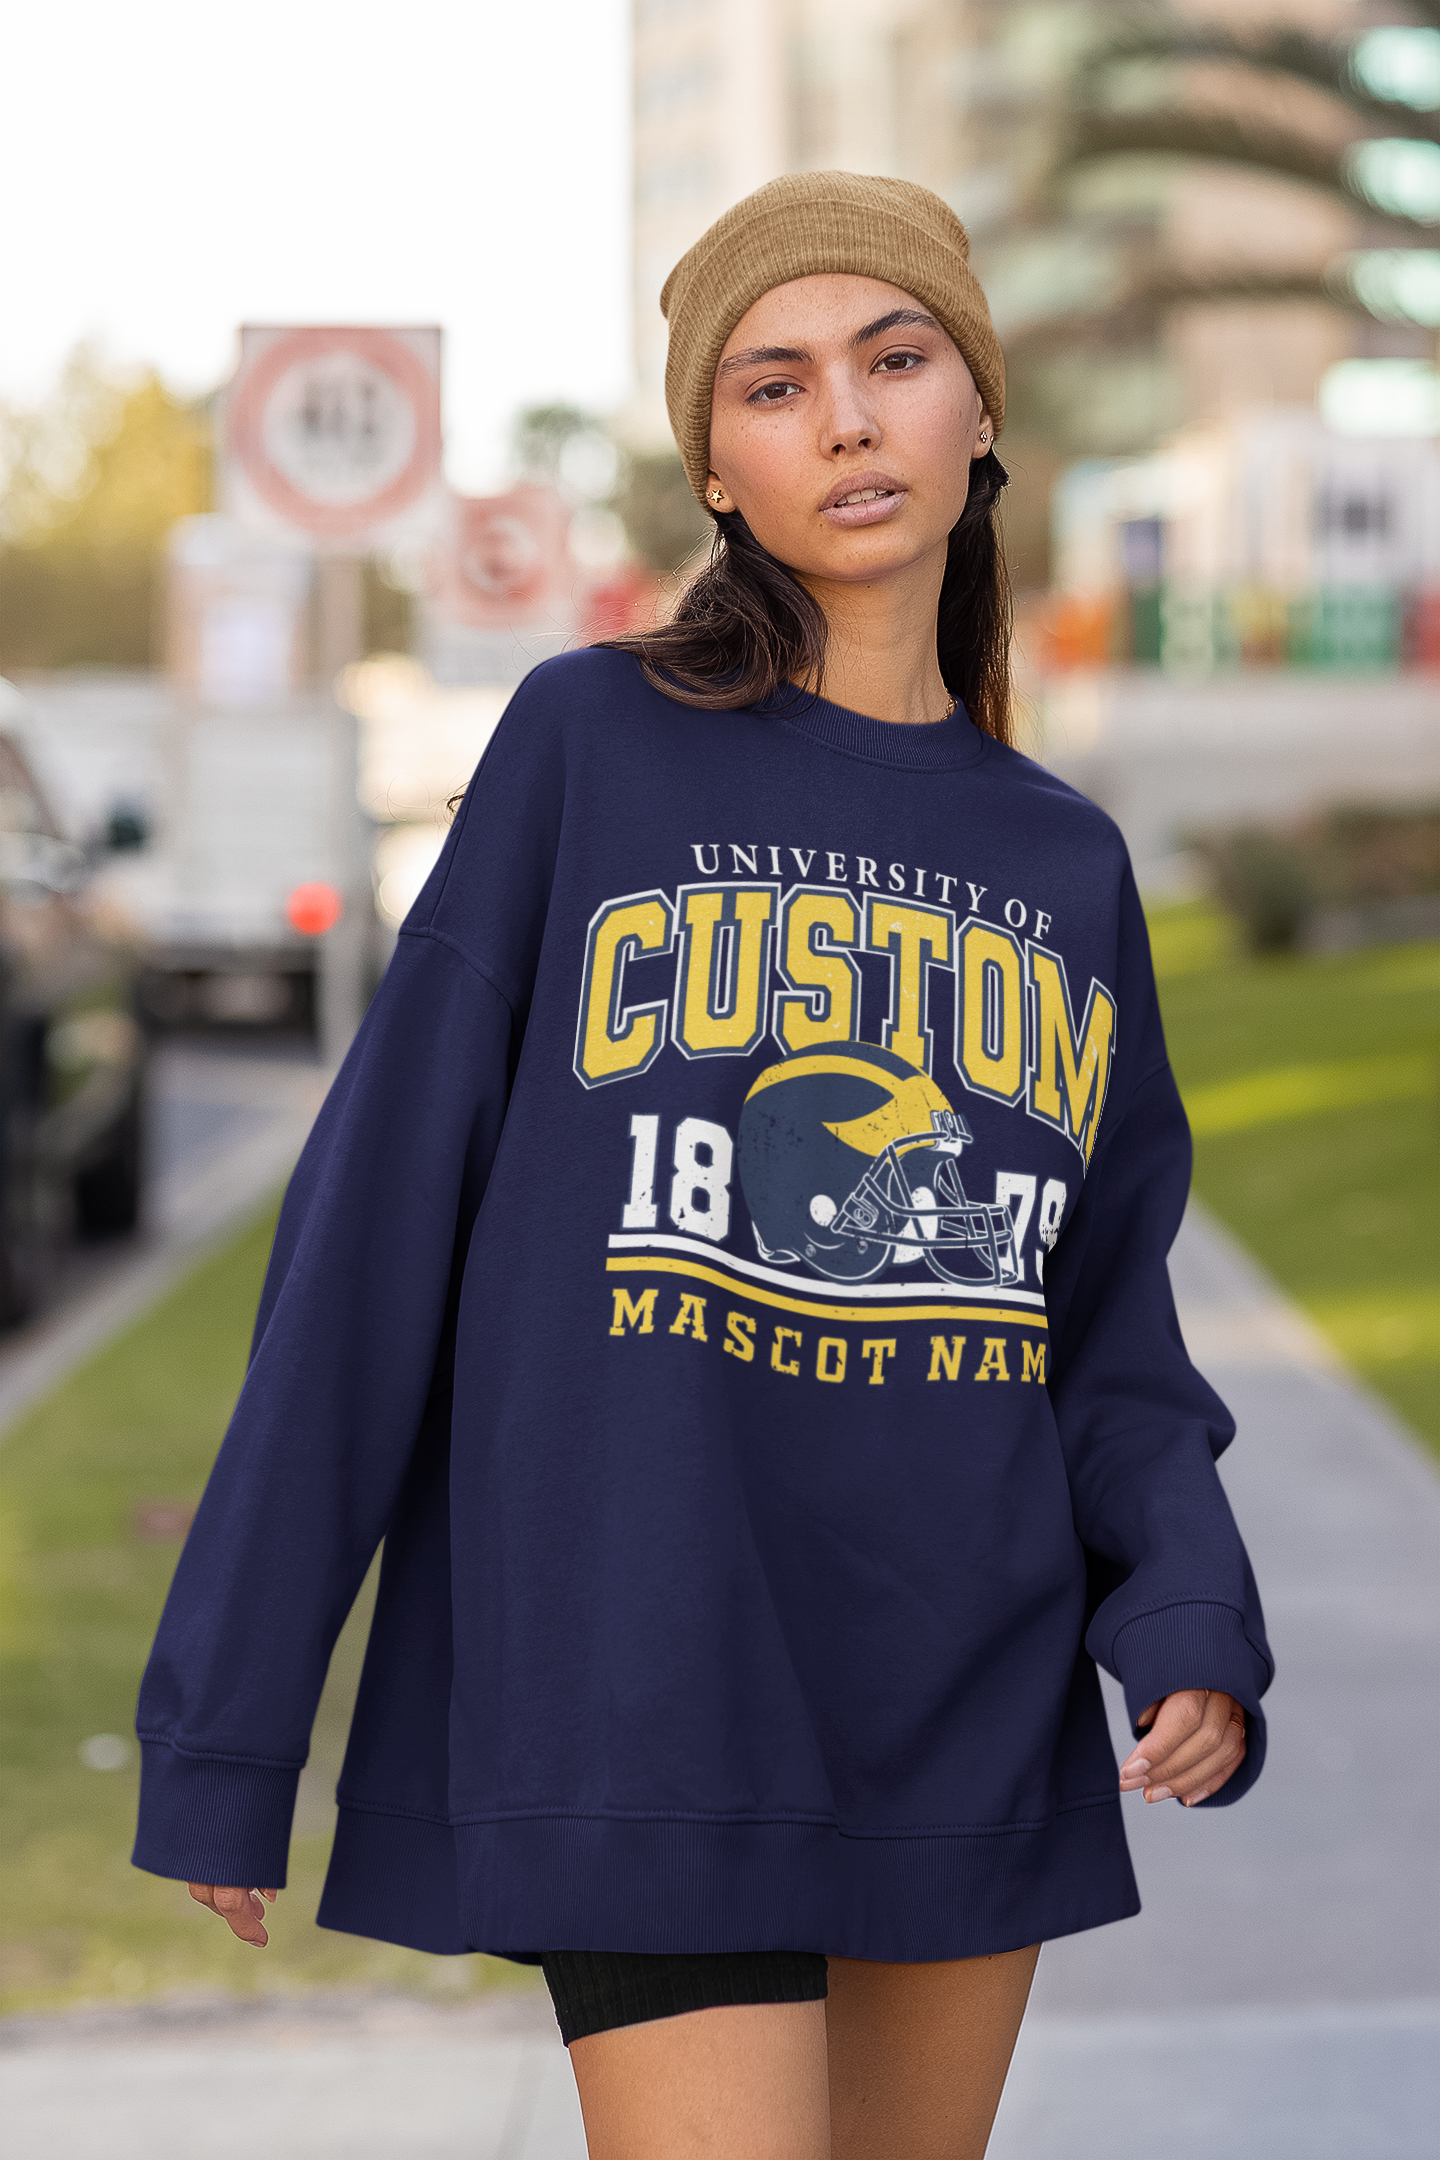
x,y
211,1819
1196,1646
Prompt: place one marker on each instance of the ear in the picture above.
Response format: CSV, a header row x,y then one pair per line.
x,y
717,495
985,438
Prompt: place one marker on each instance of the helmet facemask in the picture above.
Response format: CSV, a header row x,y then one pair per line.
x,y
913,1198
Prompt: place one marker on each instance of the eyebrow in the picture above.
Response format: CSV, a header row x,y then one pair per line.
x,y
797,356
899,318
764,356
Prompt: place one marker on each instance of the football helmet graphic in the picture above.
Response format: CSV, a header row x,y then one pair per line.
x,y
849,1159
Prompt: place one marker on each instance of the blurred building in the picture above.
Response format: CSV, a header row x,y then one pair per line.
x,y
730,93
1179,212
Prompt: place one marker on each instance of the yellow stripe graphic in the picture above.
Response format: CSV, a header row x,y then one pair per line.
x,y
808,1065
863,1313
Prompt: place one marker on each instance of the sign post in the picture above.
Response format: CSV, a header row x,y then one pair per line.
x,y
334,432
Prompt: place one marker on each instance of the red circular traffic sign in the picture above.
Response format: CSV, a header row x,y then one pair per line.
x,y
337,430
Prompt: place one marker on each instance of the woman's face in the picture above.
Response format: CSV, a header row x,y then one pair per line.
x,y
843,428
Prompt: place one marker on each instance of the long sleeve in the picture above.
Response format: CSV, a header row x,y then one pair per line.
x,y
355,1335
1175,1601
354,1311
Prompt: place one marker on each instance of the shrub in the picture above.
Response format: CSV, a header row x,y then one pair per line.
x,y
1264,879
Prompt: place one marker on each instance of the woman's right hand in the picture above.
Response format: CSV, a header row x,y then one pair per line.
x,y
241,1910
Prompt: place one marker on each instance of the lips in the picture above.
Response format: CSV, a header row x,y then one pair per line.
x,y
866,498
858,490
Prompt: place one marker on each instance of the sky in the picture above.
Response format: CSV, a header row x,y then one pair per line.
x,y
172,168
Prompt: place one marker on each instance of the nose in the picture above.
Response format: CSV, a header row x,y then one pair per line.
x,y
847,423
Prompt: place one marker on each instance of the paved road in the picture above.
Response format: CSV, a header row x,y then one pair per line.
x,y
1278,1998
227,1120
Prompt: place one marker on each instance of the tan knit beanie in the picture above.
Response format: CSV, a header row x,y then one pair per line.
x,y
802,226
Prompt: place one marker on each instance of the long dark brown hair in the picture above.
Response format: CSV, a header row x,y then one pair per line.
x,y
745,627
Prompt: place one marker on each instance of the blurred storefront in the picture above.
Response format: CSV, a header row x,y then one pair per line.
x,y
1267,540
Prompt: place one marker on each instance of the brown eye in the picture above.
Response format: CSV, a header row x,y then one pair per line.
x,y
900,363
773,394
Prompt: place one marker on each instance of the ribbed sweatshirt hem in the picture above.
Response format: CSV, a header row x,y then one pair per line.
x,y
214,1819
1198,1645
523,1886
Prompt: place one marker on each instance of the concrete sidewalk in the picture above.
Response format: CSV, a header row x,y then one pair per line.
x,y
1323,1886
1278,1999
335,2079
1280,1993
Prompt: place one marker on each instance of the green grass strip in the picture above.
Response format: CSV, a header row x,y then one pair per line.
x,y
1310,1081
82,1475
1294,1091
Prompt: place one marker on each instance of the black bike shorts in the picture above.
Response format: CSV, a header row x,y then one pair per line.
x,y
596,1990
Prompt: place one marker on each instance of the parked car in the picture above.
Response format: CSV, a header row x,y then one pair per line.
x,y
72,1054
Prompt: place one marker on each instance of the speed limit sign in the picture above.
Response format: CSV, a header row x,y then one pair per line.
x,y
335,432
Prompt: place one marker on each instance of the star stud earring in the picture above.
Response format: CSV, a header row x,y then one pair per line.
x,y
717,496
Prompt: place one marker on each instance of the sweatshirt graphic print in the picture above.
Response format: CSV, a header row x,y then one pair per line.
x,y
728,1274
846,1153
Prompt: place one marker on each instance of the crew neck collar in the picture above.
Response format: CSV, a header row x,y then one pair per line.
x,y
926,746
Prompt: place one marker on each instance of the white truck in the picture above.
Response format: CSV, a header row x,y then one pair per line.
x,y
201,824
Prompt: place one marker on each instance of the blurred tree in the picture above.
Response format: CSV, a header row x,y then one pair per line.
x,y
539,436
387,610
90,484
664,522
649,492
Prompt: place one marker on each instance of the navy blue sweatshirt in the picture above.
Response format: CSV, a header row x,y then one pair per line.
x,y
729,1274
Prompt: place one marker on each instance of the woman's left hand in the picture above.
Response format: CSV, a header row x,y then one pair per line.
x,y
1194,1740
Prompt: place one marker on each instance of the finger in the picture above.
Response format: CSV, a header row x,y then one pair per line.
x,y
1190,1753
1137,1762
207,1894
242,1911
1188,1743
1175,1719
1203,1778
1178,1722
1231,1756
1202,1762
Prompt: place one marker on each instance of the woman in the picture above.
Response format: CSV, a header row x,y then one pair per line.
x,y
729,1273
